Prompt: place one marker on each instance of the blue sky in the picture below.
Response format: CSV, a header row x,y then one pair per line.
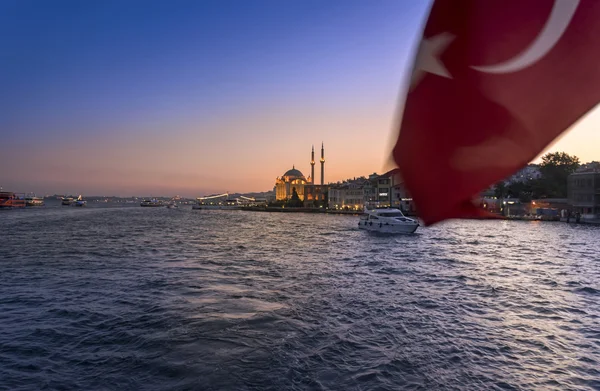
x,y
102,64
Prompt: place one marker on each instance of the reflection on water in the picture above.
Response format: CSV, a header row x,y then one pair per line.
x,y
137,298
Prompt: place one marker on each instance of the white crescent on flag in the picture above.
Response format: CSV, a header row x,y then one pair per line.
x,y
560,17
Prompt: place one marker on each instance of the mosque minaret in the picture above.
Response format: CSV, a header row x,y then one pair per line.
x,y
312,165
322,165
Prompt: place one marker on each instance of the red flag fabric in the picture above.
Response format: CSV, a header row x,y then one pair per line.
x,y
494,82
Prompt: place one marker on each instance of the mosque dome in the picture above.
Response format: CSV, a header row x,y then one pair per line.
x,y
293,173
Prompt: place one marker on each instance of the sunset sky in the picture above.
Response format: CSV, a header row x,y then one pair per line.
x,y
197,97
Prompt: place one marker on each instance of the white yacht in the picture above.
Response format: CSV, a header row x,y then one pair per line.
x,y
387,220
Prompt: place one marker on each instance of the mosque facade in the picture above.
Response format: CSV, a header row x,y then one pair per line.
x,y
286,184
307,190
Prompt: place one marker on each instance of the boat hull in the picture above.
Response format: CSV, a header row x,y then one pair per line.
x,y
387,227
8,204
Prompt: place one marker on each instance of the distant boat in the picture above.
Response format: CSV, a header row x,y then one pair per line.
x,y
68,201
171,205
152,203
80,201
8,199
34,201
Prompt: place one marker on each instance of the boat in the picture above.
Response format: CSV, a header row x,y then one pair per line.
x,y
68,201
388,220
151,203
8,199
80,201
32,200
171,205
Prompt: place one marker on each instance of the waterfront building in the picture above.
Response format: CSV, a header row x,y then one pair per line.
x,y
392,192
285,185
376,191
315,194
383,190
402,199
399,197
583,188
370,191
347,195
307,190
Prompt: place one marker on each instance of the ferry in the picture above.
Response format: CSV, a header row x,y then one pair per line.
x,y
34,201
388,220
151,203
8,199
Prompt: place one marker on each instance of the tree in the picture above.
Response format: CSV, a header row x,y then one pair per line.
x,y
500,190
521,190
295,201
555,169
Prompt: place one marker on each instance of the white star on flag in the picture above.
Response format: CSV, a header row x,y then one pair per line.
x,y
428,58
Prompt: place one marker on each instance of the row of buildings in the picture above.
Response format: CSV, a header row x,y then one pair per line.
x,y
583,188
374,191
583,194
353,194
388,190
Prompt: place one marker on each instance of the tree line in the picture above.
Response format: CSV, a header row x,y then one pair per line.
x,y
555,169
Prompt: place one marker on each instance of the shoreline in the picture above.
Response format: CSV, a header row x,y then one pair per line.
x,y
309,210
358,213
300,210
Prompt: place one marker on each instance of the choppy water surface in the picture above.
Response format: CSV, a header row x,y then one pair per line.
x,y
144,298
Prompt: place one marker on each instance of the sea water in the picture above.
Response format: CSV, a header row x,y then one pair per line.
x,y
155,299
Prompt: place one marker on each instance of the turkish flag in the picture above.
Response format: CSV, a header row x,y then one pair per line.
x,y
494,82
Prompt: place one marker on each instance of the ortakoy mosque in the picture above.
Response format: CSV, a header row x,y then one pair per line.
x,y
305,187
